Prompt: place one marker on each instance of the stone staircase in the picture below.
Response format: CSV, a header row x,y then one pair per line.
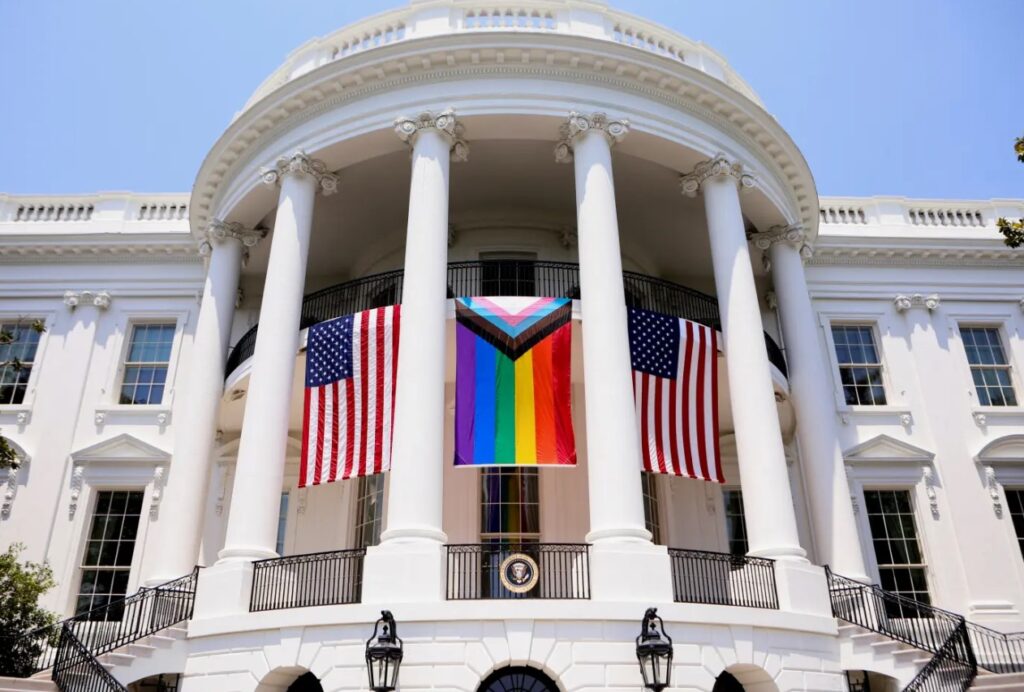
x,y
1004,682
862,649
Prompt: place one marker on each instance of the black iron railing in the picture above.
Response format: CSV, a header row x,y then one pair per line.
x,y
699,576
315,579
77,670
474,570
503,278
995,651
920,625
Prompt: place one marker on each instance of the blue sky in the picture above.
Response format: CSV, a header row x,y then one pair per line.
x,y
921,98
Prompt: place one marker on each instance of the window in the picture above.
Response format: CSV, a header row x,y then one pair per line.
x,y
735,522
649,484
107,562
369,510
1015,503
989,367
901,565
282,524
860,368
17,356
508,274
145,365
510,504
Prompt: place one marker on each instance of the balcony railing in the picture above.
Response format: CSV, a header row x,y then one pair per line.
x,y
474,571
503,278
315,579
699,576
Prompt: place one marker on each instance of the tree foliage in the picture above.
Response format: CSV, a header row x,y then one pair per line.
x,y
1013,231
21,585
13,364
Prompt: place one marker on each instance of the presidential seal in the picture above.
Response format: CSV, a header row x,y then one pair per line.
x,y
519,573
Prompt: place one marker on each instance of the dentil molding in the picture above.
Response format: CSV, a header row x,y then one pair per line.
x,y
691,183
578,124
300,163
444,122
905,302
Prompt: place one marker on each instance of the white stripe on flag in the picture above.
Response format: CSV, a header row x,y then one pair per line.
x,y
385,371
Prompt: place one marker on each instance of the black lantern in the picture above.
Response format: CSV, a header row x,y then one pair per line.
x,y
654,651
383,654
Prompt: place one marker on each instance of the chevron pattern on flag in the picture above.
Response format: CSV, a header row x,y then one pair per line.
x,y
675,387
351,366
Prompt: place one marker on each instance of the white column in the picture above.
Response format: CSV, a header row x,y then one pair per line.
x,y
767,496
408,565
179,529
821,458
259,474
625,565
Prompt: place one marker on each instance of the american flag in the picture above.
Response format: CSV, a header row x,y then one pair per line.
x,y
349,406
675,387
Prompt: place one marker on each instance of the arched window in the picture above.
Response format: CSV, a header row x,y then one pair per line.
x,y
518,679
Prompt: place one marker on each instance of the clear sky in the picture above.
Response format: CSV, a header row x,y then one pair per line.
x,y
921,98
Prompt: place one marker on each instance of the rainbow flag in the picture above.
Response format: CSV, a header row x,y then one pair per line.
x,y
512,389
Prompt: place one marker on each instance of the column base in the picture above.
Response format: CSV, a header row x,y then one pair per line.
x,y
404,571
630,571
244,554
786,553
223,589
802,588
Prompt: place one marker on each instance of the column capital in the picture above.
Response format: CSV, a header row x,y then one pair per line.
x,y
578,124
719,166
445,123
794,235
300,163
219,231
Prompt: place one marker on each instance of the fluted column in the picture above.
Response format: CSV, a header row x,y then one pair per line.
x,y
179,531
821,458
408,564
255,499
625,564
767,496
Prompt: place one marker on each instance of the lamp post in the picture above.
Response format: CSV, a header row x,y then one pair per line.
x,y
383,654
654,651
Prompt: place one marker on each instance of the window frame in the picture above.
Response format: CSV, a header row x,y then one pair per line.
x,y
122,342
137,549
926,564
1019,537
124,364
838,367
357,512
499,536
21,413
999,324
725,519
654,484
891,380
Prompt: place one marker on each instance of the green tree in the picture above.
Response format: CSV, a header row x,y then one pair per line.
x,y
1013,231
21,585
11,364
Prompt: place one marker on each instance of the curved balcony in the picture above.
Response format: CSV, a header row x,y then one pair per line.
x,y
503,278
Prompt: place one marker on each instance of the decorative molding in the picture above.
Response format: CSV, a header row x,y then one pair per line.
x,y
886,450
906,419
224,472
446,124
851,486
690,183
577,124
218,231
710,500
136,250
300,163
980,419
10,491
303,500
905,302
794,235
993,490
157,494
771,300
76,489
99,299
928,476
921,255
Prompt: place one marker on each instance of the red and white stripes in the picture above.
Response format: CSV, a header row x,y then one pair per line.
x,y
678,418
347,424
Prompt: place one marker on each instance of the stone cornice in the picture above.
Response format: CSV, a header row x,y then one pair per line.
x,y
719,166
300,163
566,58
444,123
921,255
80,250
578,124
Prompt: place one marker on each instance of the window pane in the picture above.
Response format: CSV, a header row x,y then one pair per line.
x,y
107,558
735,522
510,502
898,554
1015,505
145,368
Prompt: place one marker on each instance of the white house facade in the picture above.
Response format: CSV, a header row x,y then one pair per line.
x,y
870,405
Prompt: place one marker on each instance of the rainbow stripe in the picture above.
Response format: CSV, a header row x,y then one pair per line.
x,y
513,393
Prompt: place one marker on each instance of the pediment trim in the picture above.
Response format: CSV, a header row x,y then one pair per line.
x,y
1008,449
884,449
122,449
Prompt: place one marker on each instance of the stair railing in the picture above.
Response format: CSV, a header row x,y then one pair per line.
x,y
77,670
997,652
920,625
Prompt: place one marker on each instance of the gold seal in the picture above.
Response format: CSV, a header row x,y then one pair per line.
x,y
519,573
